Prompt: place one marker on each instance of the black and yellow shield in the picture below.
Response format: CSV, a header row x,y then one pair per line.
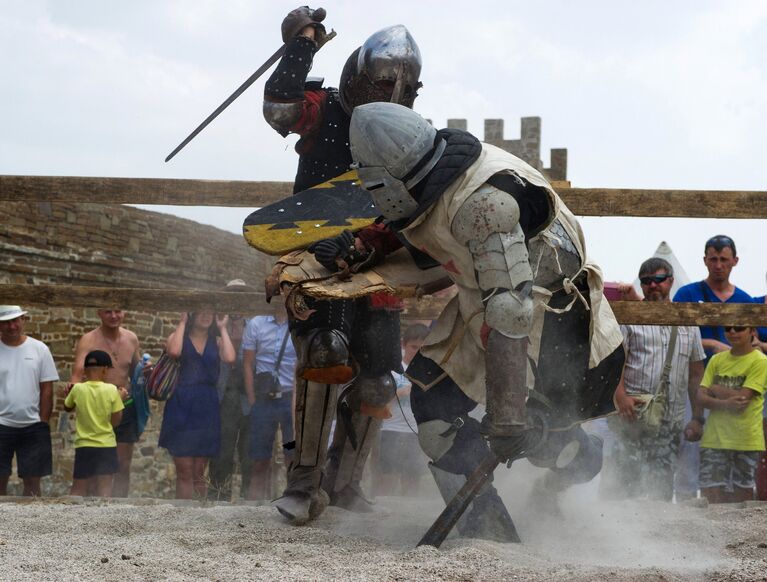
x,y
320,212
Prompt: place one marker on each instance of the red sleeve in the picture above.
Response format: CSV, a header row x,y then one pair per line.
x,y
311,117
379,237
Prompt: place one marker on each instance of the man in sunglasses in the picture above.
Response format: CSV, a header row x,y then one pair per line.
x,y
643,464
720,256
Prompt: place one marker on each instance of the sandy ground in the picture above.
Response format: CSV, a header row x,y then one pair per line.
x,y
589,540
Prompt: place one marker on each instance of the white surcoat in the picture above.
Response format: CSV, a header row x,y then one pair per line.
x,y
455,339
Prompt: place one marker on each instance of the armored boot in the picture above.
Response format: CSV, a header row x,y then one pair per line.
x,y
488,519
360,415
456,450
346,462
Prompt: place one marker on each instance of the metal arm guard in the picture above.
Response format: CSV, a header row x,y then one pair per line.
x,y
488,223
284,90
506,384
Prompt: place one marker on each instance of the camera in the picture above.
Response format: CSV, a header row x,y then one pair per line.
x,y
268,383
275,390
274,394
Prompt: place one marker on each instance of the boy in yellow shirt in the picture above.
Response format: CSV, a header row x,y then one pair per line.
x,y
99,409
733,389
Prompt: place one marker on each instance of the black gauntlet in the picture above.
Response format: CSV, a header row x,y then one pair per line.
x,y
339,247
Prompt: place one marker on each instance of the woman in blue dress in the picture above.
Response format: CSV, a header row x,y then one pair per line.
x,y
191,426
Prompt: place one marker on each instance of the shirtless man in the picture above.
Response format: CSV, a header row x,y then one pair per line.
x,y
122,346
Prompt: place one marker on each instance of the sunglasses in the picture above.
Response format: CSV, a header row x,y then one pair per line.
x,y
735,328
657,279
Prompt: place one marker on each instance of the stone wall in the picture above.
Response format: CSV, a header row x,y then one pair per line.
x,y
527,147
113,246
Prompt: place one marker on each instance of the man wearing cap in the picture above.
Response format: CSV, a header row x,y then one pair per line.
x,y
235,413
123,348
27,373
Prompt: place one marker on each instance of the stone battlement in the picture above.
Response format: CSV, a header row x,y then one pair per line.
x,y
527,147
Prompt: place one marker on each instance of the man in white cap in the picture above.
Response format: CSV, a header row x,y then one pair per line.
x,y
27,374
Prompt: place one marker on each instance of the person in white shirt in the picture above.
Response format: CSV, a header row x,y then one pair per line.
x,y
27,373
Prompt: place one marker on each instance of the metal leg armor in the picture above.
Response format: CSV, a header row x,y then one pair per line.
x,y
487,517
319,350
356,433
303,498
374,345
346,464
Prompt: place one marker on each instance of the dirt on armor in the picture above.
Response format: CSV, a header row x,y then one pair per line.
x,y
146,539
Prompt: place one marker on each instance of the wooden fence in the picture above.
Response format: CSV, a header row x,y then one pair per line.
x,y
582,201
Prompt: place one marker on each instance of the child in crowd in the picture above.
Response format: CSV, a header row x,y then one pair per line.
x,y
733,389
99,409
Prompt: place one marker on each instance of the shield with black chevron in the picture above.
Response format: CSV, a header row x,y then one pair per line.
x,y
320,212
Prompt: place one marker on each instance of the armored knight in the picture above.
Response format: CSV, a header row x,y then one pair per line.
x,y
529,332
352,344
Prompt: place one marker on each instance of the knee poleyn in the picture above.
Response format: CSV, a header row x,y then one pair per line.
x,y
324,356
327,347
435,438
376,390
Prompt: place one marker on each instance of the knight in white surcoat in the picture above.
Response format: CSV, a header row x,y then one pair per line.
x,y
529,333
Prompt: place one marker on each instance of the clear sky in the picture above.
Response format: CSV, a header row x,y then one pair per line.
x,y
652,94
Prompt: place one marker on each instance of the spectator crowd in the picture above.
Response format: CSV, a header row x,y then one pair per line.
x,y
689,406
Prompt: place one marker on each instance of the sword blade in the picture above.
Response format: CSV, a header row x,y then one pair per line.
x,y
240,90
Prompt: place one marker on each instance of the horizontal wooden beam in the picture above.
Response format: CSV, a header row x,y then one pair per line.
x,y
666,203
644,312
582,201
76,189
131,299
152,300
657,313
